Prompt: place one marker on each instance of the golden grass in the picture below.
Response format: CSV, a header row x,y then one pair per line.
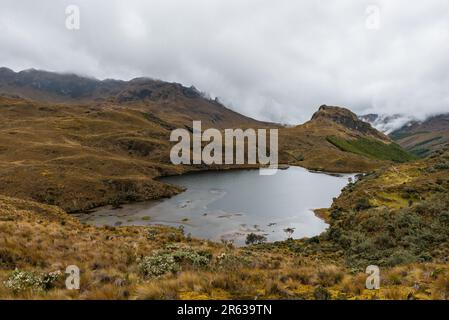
x,y
65,165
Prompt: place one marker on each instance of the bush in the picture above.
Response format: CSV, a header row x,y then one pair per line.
x,y
329,275
232,262
151,234
400,257
442,166
167,261
321,293
192,257
158,264
253,238
362,204
21,280
8,259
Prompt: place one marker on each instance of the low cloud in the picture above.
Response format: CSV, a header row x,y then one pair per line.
x,y
273,60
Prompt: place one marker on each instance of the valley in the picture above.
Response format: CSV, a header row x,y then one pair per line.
x,y
70,144
215,205
421,138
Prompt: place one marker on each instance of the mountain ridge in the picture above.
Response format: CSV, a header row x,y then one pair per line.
x,y
79,154
418,137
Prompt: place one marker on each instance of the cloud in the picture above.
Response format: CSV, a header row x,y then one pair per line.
x,y
273,60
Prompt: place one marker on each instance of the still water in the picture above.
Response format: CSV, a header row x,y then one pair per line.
x,y
231,204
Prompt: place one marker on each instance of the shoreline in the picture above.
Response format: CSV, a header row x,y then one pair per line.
x,y
189,169
92,219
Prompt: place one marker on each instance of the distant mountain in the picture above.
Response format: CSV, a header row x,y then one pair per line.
x,y
418,137
55,87
80,142
386,123
47,86
162,98
423,138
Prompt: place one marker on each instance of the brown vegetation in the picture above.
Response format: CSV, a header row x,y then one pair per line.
x,y
108,144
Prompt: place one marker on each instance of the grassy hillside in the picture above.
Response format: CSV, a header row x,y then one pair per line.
x,y
396,215
82,156
423,138
64,157
371,148
396,218
79,157
336,140
142,112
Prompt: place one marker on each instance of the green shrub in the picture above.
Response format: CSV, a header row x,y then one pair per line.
x,y
188,256
362,204
442,166
384,237
158,264
253,238
371,148
231,261
400,257
172,260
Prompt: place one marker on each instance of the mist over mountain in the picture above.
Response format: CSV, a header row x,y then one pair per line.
x,y
266,60
421,137
387,123
424,137
135,137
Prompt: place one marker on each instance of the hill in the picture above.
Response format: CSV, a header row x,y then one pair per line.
x,y
423,138
420,138
81,142
161,98
345,142
82,156
64,151
394,217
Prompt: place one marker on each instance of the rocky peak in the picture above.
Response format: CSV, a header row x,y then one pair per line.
x,y
67,87
348,119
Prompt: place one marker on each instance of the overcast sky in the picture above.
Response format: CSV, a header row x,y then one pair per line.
x,y
273,60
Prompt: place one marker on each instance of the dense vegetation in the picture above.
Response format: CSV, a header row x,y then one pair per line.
x,y
371,148
419,233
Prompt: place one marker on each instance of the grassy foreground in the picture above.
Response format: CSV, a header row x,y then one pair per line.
x,y
396,218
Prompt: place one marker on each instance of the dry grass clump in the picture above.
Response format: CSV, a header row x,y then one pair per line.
x,y
353,285
440,287
329,275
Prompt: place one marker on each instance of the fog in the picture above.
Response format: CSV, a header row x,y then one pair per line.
x,y
272,60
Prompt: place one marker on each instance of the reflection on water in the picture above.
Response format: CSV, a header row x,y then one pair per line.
x,y
230,204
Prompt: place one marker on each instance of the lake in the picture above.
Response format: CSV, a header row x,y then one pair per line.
x,y
229,205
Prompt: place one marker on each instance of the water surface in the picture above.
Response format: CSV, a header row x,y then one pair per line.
x,y
230,204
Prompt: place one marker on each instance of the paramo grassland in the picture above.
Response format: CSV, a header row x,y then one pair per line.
x,y
69,144
401,227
